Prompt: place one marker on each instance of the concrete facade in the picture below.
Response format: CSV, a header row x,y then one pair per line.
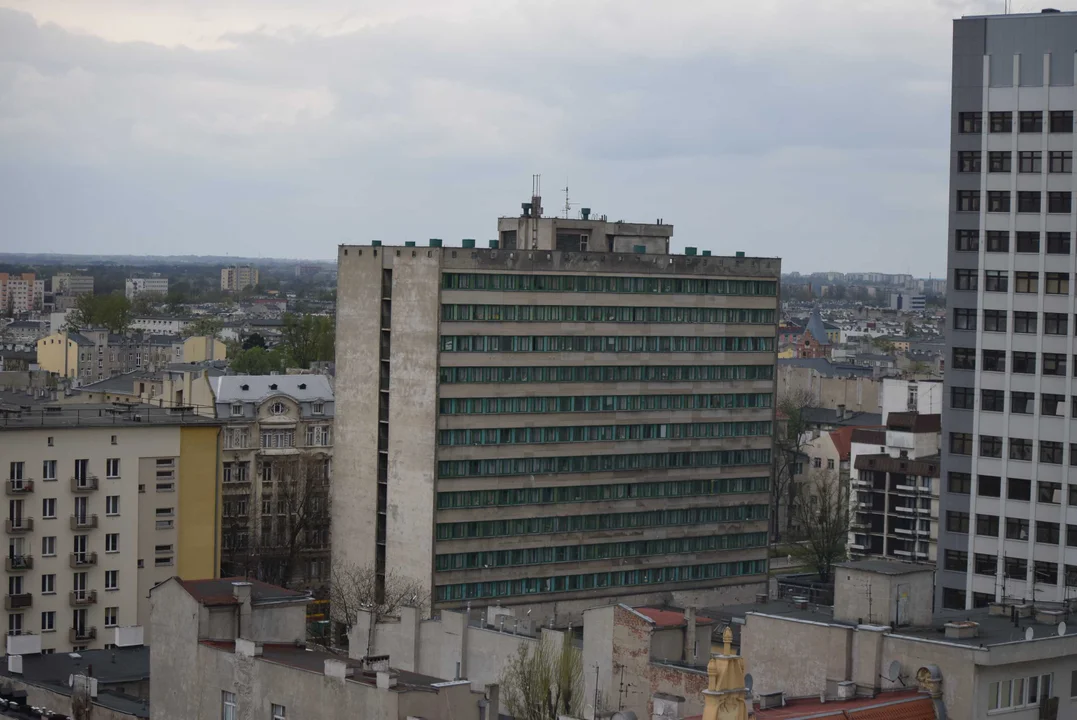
x,y
1007,424
259,665
833,388
982,659
433,396
146,286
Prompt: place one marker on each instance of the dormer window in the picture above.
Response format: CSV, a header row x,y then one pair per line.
x,y
237,410
273,386
278,408
318,408
302,386
244,387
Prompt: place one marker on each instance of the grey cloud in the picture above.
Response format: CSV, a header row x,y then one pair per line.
x,y
291,139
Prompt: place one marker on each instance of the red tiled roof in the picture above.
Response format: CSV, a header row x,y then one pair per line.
x,y
219,591
669,618
903,705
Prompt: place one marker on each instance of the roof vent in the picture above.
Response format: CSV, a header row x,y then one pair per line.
x,y
302,386
273,386
244,387
770,700
962,629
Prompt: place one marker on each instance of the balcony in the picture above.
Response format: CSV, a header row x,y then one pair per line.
x,y
82,635
83,522
18,601
82,598
19,487
84,485
18,563
83,559
20,525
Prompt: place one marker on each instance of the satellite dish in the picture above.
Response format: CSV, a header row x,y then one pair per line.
x,y
748,682
1029,633
1062,628
893,673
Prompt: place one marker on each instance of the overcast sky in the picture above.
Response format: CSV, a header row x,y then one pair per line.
x,y
814,130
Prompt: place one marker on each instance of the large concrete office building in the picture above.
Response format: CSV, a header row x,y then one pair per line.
x,y
570,414
1008,525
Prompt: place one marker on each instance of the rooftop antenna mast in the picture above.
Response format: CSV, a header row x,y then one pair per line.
x,y
568,205
536,208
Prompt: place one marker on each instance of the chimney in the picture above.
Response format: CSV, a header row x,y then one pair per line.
x,y
841,412
241,591
690,636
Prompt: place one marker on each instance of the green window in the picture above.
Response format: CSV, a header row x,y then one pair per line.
x,y
605,373
516,282
601,463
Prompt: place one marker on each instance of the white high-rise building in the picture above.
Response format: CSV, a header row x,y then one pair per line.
x,y
155,285
1008,521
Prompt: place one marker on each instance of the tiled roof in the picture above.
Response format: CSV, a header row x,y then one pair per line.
x,y
914,422
843,441
219,591
669,618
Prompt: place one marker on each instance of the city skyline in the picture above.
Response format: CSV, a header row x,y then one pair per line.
x,y
256,127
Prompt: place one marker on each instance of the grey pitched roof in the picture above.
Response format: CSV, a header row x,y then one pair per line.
x,y
79,338
229,388
826,416
118,383
816,328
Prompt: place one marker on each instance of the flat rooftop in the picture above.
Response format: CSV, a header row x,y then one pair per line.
x,y
22,411
993,629
117,666
298,657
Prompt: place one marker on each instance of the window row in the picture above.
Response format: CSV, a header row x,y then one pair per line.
x,y
604,344
1028,121
1025,363
606,373
1023,322
590,313
462,499
601,463
601,403
1028,161
599,433
1055,283
1001,201
606,284
589,581
607,521
1015,489
1023,241
17,470
1021,403
991,446
598,551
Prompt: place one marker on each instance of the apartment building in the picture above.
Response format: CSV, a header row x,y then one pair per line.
x,y
103,504
894,476
155,285
1009,436
92,355
570,414
276,467
21,292
238,277
68,284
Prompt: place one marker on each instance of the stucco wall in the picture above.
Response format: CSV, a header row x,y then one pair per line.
x,y
354,489
787,655
409,543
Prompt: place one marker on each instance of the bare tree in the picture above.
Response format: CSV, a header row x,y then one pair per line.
x,y
273,529
544,680
789,441
355,588
822,515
